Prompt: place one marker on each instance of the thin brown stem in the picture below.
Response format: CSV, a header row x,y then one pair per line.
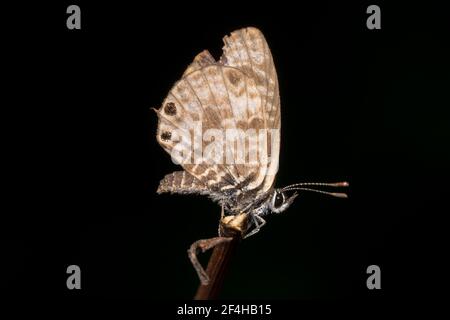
x,y
217,267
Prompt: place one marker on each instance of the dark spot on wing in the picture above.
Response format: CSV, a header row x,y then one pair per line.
x,y
256,123
212,176
233,77
166,135
170,109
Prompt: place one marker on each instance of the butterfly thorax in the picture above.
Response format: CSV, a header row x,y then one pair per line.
x,y
248,202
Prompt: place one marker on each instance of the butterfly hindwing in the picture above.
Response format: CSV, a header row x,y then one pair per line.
x,y
217,98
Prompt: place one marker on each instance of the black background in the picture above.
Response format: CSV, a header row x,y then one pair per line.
x,y
367,106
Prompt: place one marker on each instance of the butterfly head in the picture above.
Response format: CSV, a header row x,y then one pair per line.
x,y
280,201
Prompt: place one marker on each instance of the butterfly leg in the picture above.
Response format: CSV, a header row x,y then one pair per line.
x,y
222,214
204,245
259,223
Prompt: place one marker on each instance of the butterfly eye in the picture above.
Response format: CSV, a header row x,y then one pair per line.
x,y
279,200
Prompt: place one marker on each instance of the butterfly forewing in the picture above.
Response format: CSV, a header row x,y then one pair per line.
x,y
247,49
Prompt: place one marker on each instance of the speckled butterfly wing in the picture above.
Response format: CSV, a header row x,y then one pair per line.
x,y
247,50
230,94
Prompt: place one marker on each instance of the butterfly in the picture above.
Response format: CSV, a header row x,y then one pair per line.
x,y
221,122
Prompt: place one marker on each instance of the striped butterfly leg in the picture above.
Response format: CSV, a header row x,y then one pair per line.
x,y
259,223
204,245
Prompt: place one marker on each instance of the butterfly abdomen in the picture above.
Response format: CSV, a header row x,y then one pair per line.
x,y
181,182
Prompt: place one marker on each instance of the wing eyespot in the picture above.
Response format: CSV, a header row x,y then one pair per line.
x,y
166,136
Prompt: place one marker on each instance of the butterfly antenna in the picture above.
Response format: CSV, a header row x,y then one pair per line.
x,y
333,194
318,184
